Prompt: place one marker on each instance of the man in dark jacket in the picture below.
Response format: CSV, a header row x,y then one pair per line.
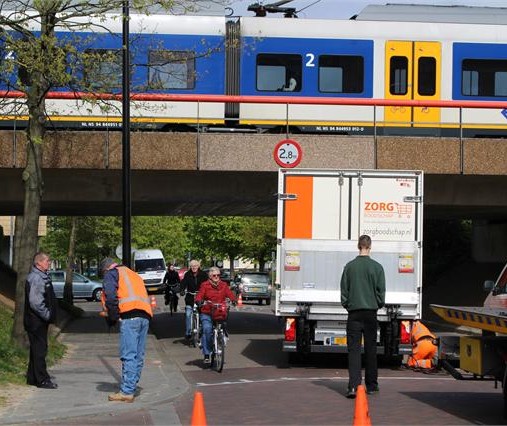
x,y
363,288
189,287
40,311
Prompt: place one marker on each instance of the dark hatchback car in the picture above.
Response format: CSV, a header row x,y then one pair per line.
x,y
254,286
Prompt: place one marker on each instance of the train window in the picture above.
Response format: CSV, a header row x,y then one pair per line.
x,y
427,81
103,68
279,73
341,74
169,69
484,77
398,83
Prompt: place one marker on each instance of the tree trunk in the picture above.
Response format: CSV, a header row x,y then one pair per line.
x,y
67,289
27,228
21,267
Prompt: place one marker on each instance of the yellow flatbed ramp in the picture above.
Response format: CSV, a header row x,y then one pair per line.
x,y
491,319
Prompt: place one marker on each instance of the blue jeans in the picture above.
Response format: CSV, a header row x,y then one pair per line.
x,y
207,334
133,333
188,320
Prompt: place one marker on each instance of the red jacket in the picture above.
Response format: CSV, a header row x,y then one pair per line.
x,y
216,294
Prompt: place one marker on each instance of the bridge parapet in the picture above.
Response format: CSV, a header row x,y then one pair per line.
x,y
254,152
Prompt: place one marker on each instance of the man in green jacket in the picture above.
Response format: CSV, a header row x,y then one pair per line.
x,y
363,288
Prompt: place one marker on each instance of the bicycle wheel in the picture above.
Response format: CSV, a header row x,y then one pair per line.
x,y
171,303
218,356
195,331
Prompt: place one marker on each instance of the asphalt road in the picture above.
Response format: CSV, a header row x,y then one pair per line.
x,y
258,385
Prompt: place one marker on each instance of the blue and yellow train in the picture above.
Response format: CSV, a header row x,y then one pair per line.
x,y
405,59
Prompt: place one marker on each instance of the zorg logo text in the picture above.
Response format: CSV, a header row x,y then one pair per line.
x,y
379,206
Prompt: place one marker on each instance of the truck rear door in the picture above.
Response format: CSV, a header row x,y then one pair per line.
x,y
321,215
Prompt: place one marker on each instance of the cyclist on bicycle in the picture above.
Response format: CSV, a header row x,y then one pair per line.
x,y
215,291
172,285
189,287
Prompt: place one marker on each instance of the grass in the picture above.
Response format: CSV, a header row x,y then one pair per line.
x,y
14,360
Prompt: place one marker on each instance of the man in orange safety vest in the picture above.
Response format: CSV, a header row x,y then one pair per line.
x,y
126,300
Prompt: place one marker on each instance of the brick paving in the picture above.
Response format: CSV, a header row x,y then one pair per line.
x,y
266,396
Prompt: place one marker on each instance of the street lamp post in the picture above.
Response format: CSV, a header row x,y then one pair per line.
x,y
127,207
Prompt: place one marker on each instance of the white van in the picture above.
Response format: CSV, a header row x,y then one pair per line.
x,y
150,265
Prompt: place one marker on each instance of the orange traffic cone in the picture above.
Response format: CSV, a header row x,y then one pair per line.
x,y
361,412
153,302
198,412
240,300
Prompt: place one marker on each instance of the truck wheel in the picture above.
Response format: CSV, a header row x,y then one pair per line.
x,y
268,301
259,301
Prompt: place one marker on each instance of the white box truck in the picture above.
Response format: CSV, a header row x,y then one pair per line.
x,y
321,214
150,265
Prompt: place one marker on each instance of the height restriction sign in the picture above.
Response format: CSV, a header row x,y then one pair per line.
x,y
288,153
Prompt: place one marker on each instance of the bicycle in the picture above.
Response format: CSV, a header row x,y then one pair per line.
x,y
171,297
195,327
219,314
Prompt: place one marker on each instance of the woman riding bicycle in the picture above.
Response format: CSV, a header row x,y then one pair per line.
x,y
215,291
172,286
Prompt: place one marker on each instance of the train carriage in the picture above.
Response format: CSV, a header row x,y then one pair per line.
x,y
402,61
423,54
168,54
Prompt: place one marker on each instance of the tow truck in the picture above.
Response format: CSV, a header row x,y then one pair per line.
x,y
483,354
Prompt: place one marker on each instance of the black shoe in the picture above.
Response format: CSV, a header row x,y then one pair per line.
x,y
207,359
372,390
351,393
48,384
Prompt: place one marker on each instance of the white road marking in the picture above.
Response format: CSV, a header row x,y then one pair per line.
x,y
288,379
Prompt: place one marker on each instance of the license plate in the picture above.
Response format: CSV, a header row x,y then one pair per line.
x,y
256,289
340,341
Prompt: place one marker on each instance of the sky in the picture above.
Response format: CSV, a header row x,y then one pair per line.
x,y
344,9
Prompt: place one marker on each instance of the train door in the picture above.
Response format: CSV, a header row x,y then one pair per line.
x,y
412,73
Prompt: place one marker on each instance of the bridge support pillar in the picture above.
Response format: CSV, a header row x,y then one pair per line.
x,y
489,241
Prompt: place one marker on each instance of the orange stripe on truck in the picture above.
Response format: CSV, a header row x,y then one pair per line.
x,y
298,213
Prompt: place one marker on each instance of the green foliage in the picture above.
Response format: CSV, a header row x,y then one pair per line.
x,y
259,235
166,233
204,237
96,237
215,237
13,359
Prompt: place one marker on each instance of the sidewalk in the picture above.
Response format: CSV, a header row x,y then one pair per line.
x,y
90,371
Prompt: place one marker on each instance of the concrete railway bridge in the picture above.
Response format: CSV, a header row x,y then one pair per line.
x,y
235,173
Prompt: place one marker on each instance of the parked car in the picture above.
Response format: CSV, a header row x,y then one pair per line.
x,y
254,285
82,287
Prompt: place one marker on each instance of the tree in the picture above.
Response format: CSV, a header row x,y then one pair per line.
x,y
37,62
259,235
215,238
67,289
165,233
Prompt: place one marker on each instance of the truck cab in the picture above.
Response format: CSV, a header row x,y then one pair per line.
x,y
497,297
